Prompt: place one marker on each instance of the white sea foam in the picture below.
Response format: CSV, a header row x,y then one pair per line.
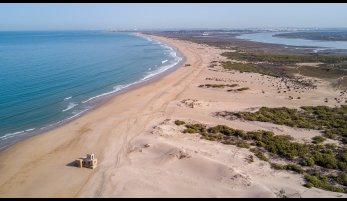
x,y
157,43
162,69
76,113
153,73
67,98
70,106
9,135
116,88
166,46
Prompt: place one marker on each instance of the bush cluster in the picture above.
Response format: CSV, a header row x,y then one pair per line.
x,y
332,121
218,85
293,167
320,181
179,122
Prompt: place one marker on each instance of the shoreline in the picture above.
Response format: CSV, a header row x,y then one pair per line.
x,y
142,153
58,140
6,143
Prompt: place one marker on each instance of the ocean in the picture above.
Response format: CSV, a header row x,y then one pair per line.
x,y
49,78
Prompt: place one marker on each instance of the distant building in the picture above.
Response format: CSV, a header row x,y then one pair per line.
x,y
88,162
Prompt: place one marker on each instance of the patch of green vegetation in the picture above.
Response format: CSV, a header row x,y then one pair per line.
x,y
179,122
242,144
279,144
318,139
218,85
332,121
259,154
320,181
249,67
292,167
297,154
283,58
322,72
319,36
251,159
342,179
243,89
194,128
281,65
307,161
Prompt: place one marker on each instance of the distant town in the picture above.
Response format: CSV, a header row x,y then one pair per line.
x,y
281,29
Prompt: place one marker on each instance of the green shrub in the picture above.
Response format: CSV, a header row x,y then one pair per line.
x,y
342,165
222,129
318,139
309,185
295,168
178,122
243,89
259,143
189,130
330,145
254,135
325,160
229,142
342,179
277,166
333,188
259,154
194,128
308,162
329,135
251,159
239,133
242,144
318,180
342,156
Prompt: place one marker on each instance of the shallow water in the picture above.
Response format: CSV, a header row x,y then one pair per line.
x,y
267,37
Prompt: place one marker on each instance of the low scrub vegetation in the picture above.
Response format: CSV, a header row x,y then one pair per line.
x,y
300,158
284,58
218,85
331,121
179,122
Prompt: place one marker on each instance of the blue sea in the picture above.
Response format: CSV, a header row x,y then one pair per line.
x,y
51,77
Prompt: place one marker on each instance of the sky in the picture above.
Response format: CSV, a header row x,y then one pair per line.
x,y
100,16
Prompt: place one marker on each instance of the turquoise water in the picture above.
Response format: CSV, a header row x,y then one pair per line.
x,y
51,77
267,37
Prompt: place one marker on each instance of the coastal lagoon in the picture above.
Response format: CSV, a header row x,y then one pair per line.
x,y
51,77
267,37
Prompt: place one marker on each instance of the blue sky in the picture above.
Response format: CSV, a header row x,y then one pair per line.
x,y
68,16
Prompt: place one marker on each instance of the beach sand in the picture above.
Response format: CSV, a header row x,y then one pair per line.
x,y
142,153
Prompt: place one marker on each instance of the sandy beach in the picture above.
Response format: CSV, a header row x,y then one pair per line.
x,y
142,153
